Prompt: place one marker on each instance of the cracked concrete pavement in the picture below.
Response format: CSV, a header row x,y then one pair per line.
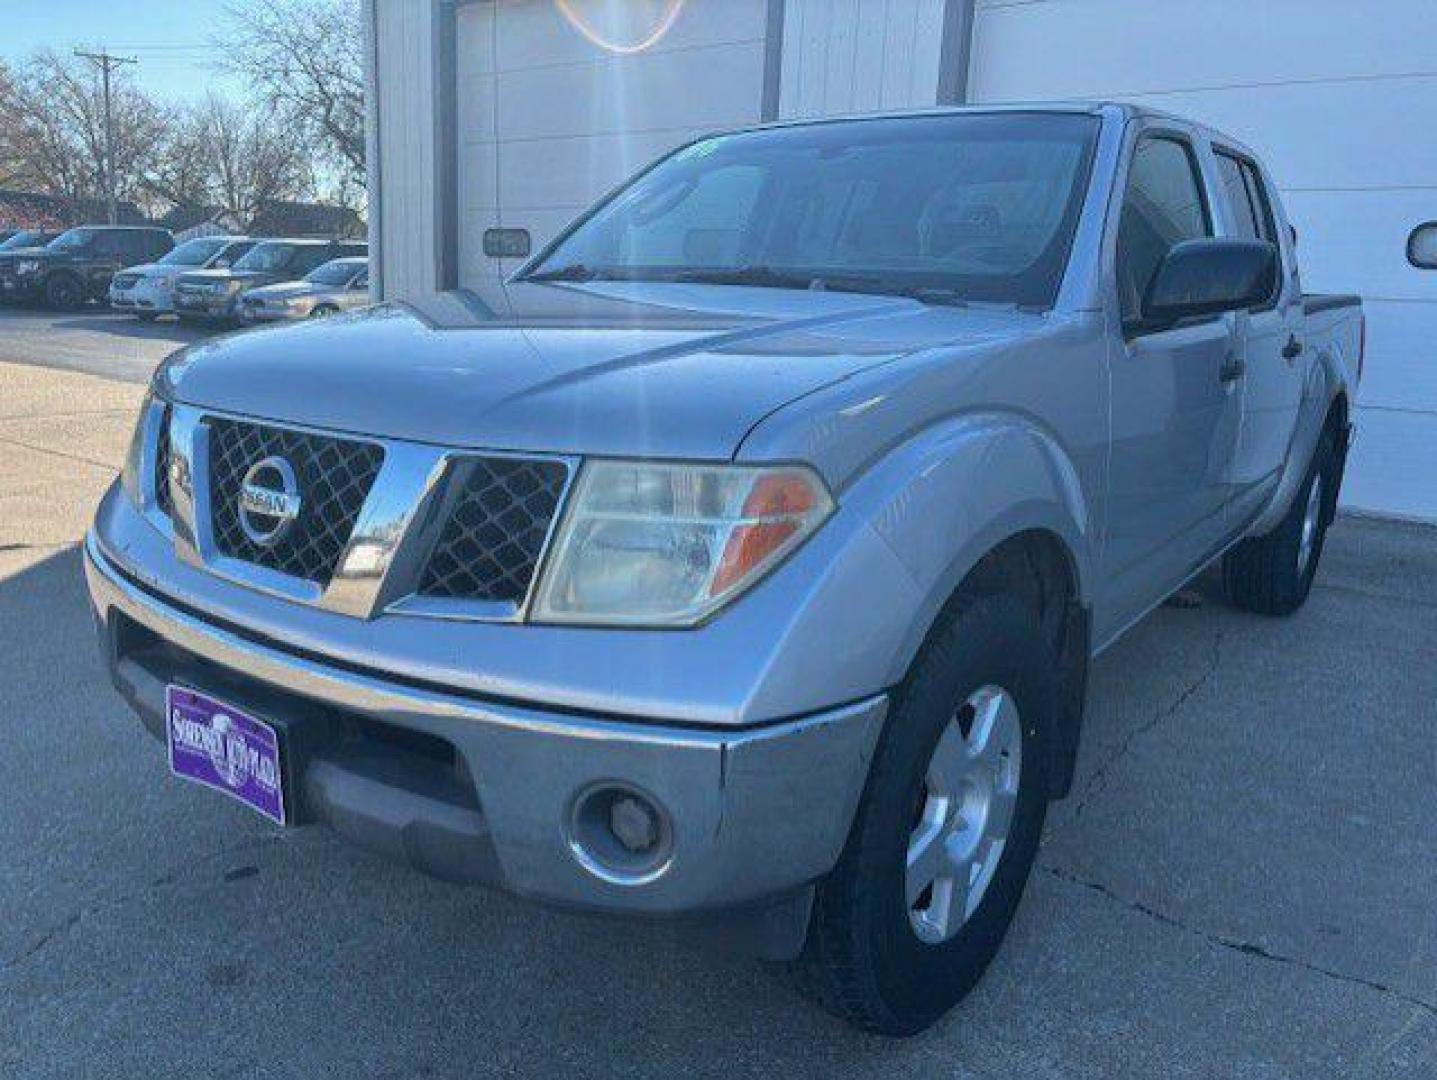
x,y
1241,886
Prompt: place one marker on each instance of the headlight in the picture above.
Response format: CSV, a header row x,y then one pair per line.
x,y
135,455
27,266
645,544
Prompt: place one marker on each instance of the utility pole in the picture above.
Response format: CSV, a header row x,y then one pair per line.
x,y
108,63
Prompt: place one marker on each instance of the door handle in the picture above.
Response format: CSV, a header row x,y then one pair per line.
x,y
1232,368
1293,349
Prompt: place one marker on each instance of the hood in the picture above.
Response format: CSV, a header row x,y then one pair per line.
x,y
29,253
151,270
287,290
646,369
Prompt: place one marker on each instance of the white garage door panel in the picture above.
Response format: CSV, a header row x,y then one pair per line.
x,y
535,31
1393,464
1401,370
843,56
1356,241
1375,133
715,86
550,172
475,108
1083,48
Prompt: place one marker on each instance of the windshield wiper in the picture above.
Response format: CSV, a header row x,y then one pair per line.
x,y
571,272
762,277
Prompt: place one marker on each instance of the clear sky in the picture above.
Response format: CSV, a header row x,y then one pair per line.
x,y
172,39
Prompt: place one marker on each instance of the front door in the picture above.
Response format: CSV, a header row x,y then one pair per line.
x,y
1176,410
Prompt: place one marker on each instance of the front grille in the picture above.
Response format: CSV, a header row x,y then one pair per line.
x,y
163,502
334,477
490,546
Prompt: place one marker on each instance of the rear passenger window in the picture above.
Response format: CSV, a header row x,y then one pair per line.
x,y
1246,198
1162,207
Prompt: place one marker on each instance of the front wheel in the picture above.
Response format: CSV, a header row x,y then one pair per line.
x,y
64,293
946,833
1272,574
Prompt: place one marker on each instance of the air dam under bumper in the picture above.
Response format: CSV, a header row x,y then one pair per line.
x,y
477,791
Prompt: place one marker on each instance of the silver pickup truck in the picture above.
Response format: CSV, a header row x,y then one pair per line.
x,y
746,568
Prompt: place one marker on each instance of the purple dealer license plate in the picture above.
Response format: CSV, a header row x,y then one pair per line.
x,y
223,748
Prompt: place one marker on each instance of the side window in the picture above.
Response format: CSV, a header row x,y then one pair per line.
x,y
107,245
360,282
1238,197
1162,207
1262,205
307,258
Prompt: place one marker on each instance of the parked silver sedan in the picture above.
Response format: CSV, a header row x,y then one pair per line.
x,y
338,285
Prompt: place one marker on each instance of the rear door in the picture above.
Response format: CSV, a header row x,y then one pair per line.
x,y
1175,413
1270,337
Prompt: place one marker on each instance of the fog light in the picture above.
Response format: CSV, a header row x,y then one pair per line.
x,y
635,823
620,834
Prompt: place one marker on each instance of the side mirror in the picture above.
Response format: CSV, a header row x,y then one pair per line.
x,y
1422,246
1208,277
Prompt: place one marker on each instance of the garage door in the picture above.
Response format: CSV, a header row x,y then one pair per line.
x,y
560,101
1339,97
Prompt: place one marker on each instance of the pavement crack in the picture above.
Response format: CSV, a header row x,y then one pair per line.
x,y
1097,783
168,878
108,466
1246,948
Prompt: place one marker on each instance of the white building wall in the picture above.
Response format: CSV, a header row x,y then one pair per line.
x,y
847,56
548,120
403,128
1340,98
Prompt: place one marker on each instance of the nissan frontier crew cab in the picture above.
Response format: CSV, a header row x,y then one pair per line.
x,y
747,565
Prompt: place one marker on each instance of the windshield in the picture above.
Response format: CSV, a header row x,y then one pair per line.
x,y
195,252
71,240
267,257
980,206
21,239
337,272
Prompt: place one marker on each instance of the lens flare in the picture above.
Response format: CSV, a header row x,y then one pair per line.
x,y
664,24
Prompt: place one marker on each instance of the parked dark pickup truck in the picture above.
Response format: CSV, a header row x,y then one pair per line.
x,y
77,265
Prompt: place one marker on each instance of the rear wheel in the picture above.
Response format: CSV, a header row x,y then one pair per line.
x,y
948,827
1273,574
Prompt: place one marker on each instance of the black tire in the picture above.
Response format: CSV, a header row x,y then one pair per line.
x,y
146,316
63,292
1265,574
863,959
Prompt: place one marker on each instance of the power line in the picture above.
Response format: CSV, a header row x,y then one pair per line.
x,y
108,63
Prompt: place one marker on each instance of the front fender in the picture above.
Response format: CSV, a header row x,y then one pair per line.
x,y
961,489
912,526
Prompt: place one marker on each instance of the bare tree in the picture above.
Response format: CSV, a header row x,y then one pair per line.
x,y
55,130
304,59
251,158
181,172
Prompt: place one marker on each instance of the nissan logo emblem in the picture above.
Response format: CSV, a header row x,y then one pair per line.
x,y
269,500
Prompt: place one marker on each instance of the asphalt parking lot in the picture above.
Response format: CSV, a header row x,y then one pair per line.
x,y
1242,885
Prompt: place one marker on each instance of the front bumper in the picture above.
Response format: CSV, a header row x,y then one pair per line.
x,y
144,296
477,790
253,313
205,306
